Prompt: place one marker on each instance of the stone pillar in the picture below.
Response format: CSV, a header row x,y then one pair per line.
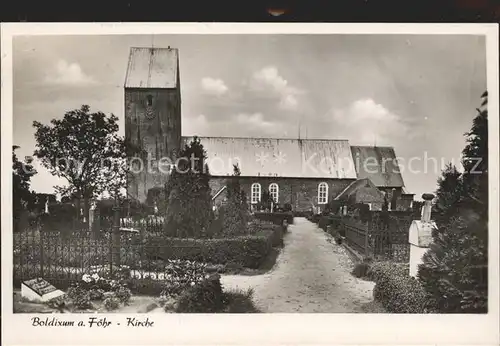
x,y
420,237
91,217
115,236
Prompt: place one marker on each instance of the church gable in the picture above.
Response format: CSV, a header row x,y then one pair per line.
x,y
361,191
272,157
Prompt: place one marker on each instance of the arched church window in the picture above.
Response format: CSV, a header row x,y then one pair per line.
x,y
274,192
323,193
255,190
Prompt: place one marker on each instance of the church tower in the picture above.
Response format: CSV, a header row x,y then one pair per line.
x,y
152,116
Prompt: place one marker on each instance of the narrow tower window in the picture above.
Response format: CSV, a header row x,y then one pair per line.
x,y
150,100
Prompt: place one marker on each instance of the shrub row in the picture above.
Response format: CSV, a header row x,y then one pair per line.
x,y
248,251
306,214
325,221
396,290
275,218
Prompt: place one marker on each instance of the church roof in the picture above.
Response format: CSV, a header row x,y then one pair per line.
x,y
379,164
298,158
152,68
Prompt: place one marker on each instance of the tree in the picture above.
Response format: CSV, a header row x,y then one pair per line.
x,y
455,269
84,148
189,211
235,212
385,205
475,161
416,209
22,196
450,190
266,201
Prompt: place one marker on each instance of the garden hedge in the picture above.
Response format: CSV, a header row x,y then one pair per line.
x,y
275,218
396,290
247,251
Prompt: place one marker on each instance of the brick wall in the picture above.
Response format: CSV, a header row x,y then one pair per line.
x,y
301,193
158,135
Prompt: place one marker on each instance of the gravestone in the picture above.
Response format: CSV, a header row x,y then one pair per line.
x,y
420,235
39,290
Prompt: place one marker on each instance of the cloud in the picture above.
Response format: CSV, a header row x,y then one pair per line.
x,y
68,74
289,102
367,122
195,126
256,125
270,76
269,79
240,124
214,86
256,121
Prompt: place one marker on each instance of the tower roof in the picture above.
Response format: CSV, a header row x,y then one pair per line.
x,y
152,68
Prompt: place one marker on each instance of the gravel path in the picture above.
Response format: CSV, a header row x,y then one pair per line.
x,y
312,274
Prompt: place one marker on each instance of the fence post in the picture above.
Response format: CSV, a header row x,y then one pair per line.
x,y
367,235
115,253
41,252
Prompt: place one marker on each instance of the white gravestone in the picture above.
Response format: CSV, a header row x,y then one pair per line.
x,y
39,290
420,235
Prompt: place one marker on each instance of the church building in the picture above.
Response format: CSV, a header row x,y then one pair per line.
x,y
305,173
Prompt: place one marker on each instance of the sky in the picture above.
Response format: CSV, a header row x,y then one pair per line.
x,y
416,93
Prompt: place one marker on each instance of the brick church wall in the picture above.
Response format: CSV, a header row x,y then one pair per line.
x,y
301,193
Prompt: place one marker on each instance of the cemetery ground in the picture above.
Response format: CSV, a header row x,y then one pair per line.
x,y
310,273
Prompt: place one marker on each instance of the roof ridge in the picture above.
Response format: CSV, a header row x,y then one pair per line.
x,y
270,138
149,47
373,146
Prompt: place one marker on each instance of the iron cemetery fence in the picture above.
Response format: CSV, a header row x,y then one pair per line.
x,y
379,239
63,256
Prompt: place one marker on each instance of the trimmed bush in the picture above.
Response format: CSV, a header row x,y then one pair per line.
x,y
276,232
248,251
180,275
361,270
275,218
277,235
306,214
396,290
238,301
323,222
204,297
315,218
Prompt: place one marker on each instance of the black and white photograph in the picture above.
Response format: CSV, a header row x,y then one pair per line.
x,y
160,173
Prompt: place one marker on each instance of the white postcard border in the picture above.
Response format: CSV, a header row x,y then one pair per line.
x,y
254,328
